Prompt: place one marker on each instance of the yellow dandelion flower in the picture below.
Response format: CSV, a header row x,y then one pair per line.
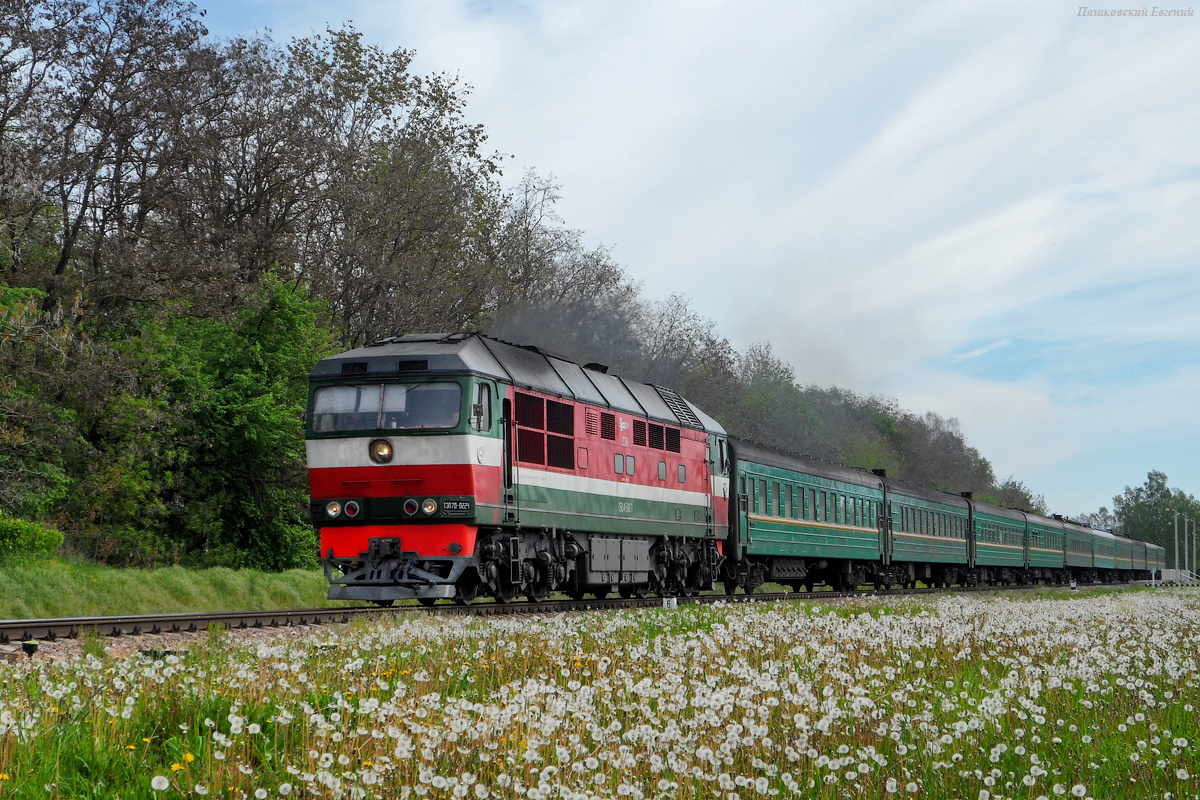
x,y
188,757
146,740
176,767
131,747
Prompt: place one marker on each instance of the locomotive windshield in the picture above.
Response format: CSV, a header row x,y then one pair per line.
x,y
390,406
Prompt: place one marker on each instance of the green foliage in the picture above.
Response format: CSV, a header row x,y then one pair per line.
x,y
20,538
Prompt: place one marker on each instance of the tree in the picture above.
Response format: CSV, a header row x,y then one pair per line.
x,y
1148,511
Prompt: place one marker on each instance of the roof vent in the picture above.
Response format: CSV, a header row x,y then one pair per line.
x,y
680,408
880,472
354,368
416,365
1057,517
594,367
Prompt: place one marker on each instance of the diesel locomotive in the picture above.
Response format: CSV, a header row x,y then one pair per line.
x,y
454,466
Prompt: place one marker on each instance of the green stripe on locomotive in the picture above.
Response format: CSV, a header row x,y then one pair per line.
x,y
548,507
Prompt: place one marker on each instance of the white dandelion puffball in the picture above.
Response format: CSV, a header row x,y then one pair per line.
x,y
1079,790
158,783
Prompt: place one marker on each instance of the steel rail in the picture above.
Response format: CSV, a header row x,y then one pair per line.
x,y
138,624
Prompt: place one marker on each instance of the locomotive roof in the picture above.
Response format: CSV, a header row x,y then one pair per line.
x,y
521,365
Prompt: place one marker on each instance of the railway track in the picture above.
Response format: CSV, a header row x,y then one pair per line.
x,y
20,630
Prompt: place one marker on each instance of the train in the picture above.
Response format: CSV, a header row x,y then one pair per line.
x,y
459,466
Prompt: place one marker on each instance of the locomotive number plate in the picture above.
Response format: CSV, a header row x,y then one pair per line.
x,y
457,507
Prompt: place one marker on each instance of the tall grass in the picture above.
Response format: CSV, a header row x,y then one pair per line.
x,y
38,588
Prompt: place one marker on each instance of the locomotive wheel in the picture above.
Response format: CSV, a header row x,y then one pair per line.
x,y
600,594
641,591
575,592
384,603
506,594
809,584
427,601
730,587
537,593
626,590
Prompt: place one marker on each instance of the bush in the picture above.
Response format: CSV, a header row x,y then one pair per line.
x,y
20,537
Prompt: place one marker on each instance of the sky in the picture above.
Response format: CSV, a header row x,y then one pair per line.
x,y
986,210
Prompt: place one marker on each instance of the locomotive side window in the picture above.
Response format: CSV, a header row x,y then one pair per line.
x,y
393,406
481,409
778,500
560,449
810,507
531,411
769,510
683,473
619,463
662,470
530,414
629,465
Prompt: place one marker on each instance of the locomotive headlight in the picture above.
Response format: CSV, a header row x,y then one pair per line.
x,y
333,509
429,506
380,451
352,508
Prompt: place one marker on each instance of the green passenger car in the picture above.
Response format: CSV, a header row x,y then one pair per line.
x,y
800,520
928,533
999,542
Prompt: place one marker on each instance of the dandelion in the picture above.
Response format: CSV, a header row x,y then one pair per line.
x,y
200,790
159,783
188,757
1182,774
260,794
1079,790
285,789
911,788
176,767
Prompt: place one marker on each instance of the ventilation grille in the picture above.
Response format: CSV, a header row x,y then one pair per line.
x,y
673,440
416,365
656,436
354,368
639,433
678,405
591,422
608,426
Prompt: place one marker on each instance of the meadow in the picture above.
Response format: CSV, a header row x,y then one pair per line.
x,y
982,697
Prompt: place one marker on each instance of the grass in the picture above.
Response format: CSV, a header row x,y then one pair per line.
x,y
986,697
38,588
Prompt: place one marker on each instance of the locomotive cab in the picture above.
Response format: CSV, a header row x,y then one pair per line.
x,y
404,459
